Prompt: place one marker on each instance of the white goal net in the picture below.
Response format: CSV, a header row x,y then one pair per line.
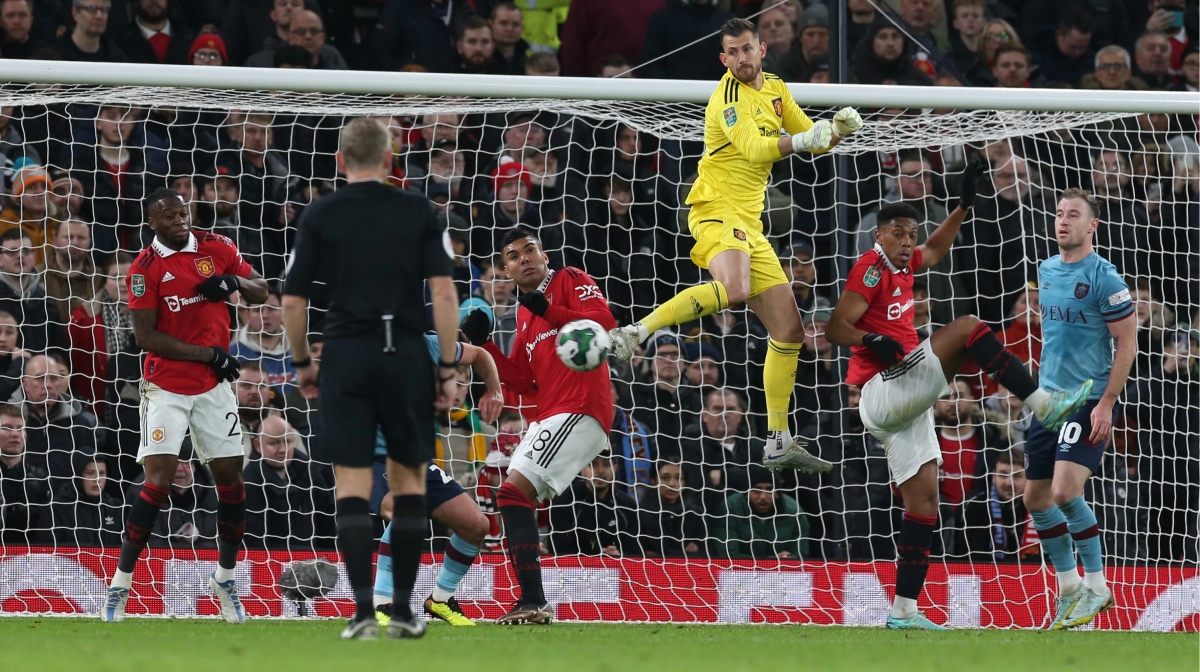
x,y
679,524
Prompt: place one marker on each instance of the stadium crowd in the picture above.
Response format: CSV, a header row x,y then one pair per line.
x,y
682,476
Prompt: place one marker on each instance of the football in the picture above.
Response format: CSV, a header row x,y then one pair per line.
x,y
583,345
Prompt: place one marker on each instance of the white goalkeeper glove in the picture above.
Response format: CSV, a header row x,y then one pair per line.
x,y
816,139
847,121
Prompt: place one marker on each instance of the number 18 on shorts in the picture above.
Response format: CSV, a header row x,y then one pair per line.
x,y
212,418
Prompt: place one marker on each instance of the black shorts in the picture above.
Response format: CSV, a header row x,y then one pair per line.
x,y
439,487
1043,448
362,388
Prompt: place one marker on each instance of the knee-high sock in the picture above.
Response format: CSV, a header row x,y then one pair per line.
x,y
1085,532
912,561
458,559
409,525
692,303
356,534
1051,526
1004,367
231,527
383,569
143,514
779,379
520,526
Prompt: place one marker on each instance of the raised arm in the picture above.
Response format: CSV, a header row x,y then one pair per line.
x,y
940,241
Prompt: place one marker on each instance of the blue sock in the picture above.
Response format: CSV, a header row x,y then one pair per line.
x,y
383,569
1081,521
1056,542
459,557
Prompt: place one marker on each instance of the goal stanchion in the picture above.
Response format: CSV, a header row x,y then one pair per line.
x,y
679,524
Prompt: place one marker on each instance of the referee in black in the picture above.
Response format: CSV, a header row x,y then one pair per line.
x,y
375,246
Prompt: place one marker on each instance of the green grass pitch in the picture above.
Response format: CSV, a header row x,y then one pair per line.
x,y
161,645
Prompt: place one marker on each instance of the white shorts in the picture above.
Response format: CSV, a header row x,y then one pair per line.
x,y
212,418
897,408
556,449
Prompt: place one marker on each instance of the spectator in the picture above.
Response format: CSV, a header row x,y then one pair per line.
x,y
660,404
1113,72
1011,418
1170,18
542,64
922,321
247,25
153,37
803,276
222,194
1072,57
996,33
968,21
13,146
304,29
965,442
475,48
280,17
418,32
703,369
921,16
23,295
997,524
633,449
254,398
261,339
594,518
718,449
761,523
811,43
511,48
1190,79
1011,67
462,437
672,525
616,66
818,375
188,521
500,292
1152,60
619,245
1125,234
11,354
289,505
1023,335
66,195
115,173
862,14
101,333
88,41
57,426
208,49
16,29
597,29
30,209
84,514
884,56
264,185
777,32
511,187
1001,259
24,484
71,277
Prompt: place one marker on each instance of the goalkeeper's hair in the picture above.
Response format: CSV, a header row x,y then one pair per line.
x,y
737,28
1082,194
517,233
893,211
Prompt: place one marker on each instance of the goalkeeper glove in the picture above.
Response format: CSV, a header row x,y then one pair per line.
x,y
885,349
966,194
816,139
847,121
477,327
225,365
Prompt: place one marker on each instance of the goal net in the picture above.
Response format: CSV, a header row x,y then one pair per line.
x,y
679,524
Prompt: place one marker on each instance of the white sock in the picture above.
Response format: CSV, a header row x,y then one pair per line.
x,y
222,575
1068,582
122,580
1039,402
440,595
1094,581
380,600
903,606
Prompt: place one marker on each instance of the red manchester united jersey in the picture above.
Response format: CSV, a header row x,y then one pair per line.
x,y
889,292
534,362
165,279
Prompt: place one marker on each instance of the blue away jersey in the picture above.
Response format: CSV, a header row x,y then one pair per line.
x,y
1079,301
435,353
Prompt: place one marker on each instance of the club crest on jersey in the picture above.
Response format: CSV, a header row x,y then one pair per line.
x,y
137,284
1081,290
730,116
739,234
778,104
205,266
872,276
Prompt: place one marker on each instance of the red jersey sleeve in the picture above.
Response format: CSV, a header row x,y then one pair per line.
x,y
515,372
865,276
234,264
914,264
583,300
142,286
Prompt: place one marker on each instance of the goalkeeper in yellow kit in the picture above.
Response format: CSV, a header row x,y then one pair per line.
x,y
743,137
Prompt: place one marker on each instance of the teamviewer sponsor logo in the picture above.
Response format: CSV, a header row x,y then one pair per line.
x,y
540,337
896,310
175,304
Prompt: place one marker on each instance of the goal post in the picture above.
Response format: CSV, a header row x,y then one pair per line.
x,y
601,168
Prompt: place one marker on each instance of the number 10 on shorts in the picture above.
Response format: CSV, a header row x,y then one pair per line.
x,y
1069,434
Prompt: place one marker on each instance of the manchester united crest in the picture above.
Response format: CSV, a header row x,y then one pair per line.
x,y
739,234
157,434
205,266
778,104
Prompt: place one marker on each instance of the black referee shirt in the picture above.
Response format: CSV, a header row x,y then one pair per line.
x,y
374,244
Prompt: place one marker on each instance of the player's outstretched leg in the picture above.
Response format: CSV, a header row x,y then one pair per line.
x,y
690,304
520,527
469,526
912,549
139,524
231,527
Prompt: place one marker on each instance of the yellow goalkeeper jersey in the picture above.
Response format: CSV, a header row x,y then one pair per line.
x,y
741,140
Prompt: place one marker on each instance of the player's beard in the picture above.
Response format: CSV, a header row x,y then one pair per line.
x,y
755,70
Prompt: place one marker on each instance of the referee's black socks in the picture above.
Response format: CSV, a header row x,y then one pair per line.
x,y
356,541
409,525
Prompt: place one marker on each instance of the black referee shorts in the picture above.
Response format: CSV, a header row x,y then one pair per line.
x,y
362,388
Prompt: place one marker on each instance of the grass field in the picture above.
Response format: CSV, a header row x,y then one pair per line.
x,y
154,645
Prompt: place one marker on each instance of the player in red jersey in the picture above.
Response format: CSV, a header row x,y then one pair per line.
x,y
575,410
177,292
902,378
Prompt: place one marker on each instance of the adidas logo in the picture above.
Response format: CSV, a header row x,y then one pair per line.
x,y
168,277
897,292
529,454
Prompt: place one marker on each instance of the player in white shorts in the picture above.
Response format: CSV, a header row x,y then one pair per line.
x,y
177,291
575,409
875,316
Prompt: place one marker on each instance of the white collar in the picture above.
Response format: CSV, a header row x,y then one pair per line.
x,y
147,33
882,255
546,280
163,251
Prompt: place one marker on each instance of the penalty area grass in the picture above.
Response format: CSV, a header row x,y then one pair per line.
x,y
180,645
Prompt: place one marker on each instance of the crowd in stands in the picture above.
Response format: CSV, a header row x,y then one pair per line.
x,y
681,477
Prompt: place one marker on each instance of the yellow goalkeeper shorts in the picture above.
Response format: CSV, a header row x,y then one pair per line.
x,y
717,227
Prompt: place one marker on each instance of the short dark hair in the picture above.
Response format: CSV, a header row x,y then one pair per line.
x,y
1008,47
119,257
11,410
517,233
292,55
1013,456
737,28
510,6
474,23
919,287
1083,195
158,196
1076,20
14,234
614,61
894,211
660,464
